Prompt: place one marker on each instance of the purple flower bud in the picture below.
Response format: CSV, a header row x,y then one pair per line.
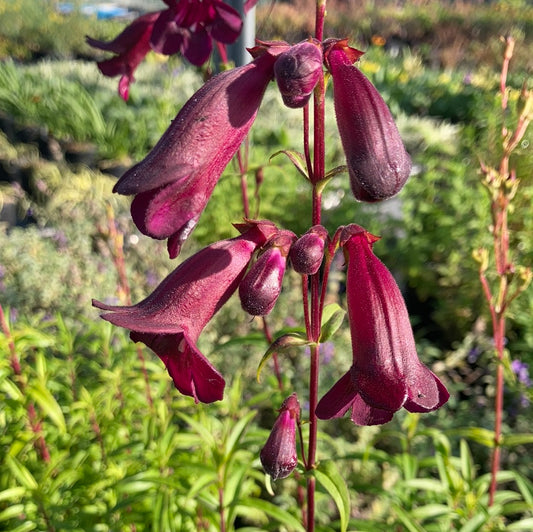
x,y
260,288
308,251
278,456
377,161
297,72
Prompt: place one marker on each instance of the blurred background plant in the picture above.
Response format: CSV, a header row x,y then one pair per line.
x,y
116,463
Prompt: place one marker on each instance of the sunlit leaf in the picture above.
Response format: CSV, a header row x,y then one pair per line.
x,y
287,341
277,513
329,477
296,158
332,319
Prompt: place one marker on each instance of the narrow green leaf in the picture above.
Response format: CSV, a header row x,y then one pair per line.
x,y
475,523
42,396
524,524
11,512
482,436
429,511
296,158
282,516
237,432
332,481
21,473
510,440
287,341
407,520
467,466
332,319
12,493
425,484
336,171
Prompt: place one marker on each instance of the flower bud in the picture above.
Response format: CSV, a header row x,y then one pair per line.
x,y
278,456
308,251
377,161
297,72
260,288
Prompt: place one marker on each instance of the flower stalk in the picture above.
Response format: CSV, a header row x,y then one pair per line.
x,y
508,280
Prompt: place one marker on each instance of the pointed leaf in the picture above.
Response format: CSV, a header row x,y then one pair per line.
x,y
282,343
296,158
407,520
42,396
21,473
510,440
336,171
282,516
332,319
332,481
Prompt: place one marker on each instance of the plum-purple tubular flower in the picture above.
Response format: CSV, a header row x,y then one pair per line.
x,y
386,373
307,252
278,456
261,286
170,320
188,27
378,163
174,182
297,71
130,47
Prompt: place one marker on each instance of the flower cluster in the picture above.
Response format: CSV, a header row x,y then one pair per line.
x,y
171,188
186,27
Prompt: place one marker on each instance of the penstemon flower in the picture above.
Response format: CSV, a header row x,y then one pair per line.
x,y
170,320
174,182
386,373
189,28
130,47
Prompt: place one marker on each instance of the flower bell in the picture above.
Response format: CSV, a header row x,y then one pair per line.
x,y
386,373
170,320
378,163
278,456
174,182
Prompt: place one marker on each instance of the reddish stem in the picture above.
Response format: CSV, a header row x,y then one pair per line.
x,y
35,423
117,241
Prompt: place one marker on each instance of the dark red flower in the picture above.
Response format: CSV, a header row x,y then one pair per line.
x,y
386,373
377,161
174,182
170,320
188,27
131,47
278,456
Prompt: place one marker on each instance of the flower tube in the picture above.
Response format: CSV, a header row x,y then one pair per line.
x,y
174,182
170,320
386,373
